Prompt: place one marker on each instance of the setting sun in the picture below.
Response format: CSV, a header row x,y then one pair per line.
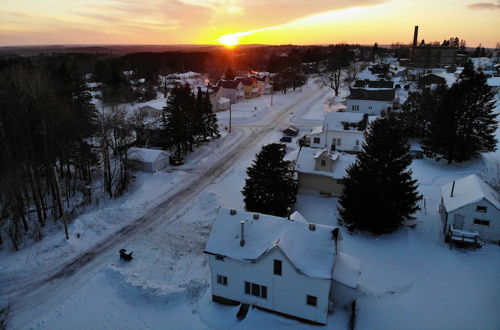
x,y
229,40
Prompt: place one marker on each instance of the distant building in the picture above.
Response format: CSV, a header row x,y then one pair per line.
x,y
370,101
431,56
431,79
148,160
230,89
293,268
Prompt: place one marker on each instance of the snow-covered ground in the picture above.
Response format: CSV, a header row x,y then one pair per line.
x,y
410,279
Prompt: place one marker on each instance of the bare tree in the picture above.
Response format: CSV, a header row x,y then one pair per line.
x,y
491,174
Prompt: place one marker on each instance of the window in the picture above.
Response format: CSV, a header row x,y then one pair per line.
x,y
316,140
323,162
355,107
370,107
311,300
277,267
338,142
256,290
222,280
480,208
357,142
481,222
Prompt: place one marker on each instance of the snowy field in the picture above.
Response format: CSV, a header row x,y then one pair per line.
x,y
410,279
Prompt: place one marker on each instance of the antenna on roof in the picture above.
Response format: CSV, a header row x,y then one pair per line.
x,y
452,189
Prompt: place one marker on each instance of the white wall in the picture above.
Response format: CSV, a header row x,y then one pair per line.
x,y
286,294
491,233
364,106
347,140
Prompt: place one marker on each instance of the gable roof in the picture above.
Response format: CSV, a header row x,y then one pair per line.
x,y
306,163
468,190
372,94
145,155
311,252
244,81
228,84
333,120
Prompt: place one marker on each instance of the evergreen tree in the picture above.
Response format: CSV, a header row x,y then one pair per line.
x,y
270,187
464,123
210,118
229,75
175,120
379,191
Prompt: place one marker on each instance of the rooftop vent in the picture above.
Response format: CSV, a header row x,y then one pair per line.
x,y
312,227
232,212
255,216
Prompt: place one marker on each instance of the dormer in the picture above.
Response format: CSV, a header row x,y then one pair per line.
x,y
325,160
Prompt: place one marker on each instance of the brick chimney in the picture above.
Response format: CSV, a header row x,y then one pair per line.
x,y
415,36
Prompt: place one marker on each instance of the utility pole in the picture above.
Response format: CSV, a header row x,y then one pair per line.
x,y
230,106
272,92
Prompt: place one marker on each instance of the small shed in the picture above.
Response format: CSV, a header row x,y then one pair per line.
x,y
148,160
223,103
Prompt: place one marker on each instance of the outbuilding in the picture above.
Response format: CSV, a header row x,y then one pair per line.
x,y
470,208
148,160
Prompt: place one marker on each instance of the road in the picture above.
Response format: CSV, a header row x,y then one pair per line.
x,y
29,295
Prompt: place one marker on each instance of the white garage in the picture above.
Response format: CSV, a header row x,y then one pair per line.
x,y
148,160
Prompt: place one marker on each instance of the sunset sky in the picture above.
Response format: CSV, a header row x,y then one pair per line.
x,y
38,22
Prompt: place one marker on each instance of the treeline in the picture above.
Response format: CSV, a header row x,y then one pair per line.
x,y
456,123
53,145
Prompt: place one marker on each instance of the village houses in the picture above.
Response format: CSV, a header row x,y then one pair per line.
x,y
230,89
293,268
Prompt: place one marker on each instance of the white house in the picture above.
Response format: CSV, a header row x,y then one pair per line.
x,y
148,160
470,207
231,89
279,265
342,130
370,100
321,171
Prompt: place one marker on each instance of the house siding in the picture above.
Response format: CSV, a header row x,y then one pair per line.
x,y
285,294
364,106
347,140
314,184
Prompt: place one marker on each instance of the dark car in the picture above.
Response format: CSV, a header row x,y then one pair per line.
x,y
286,139
176,160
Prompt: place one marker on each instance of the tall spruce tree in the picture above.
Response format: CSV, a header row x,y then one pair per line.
x,y
210,118
464,123
379,191
270,187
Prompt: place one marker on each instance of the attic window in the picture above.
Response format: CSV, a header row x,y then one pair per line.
x,y
480,208
277,267
323,162
311,300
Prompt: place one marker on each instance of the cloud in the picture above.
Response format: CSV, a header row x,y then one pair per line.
x,y
484,5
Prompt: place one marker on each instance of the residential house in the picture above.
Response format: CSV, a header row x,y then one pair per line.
x,y
148,160
470,208
248,87
230,89
279,265
341,131
377,84
370,101
431,79
264,85
150,112
321,171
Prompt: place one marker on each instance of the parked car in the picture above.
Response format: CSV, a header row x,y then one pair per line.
x,y
291,131
176,160
286,139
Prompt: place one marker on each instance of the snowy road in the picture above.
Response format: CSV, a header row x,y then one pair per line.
x,y
33,295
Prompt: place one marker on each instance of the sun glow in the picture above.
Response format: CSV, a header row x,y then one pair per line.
x,y
229,40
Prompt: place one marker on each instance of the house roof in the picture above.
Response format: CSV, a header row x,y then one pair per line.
x,y
493,82
347,270
306,162
467,190
311,252
333,120
372,94
244,81
145,155
296,216
374,83
228,84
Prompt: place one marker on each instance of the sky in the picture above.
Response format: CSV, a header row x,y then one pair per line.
x,y
44,22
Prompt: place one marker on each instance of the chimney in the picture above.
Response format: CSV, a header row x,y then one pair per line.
x,y
452,189
242,237
415,36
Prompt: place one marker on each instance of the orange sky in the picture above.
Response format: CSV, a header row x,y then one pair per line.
x,y
35,22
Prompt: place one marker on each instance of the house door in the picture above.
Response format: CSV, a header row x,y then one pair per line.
x,y
458,221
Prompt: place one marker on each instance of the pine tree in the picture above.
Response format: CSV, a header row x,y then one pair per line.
x,y
464,123
379,191
210,118
270,187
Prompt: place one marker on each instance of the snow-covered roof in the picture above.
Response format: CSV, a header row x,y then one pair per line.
x,y
327,153
145,155
333,120
311,252
468,190
347,270
306,162
223,100
296,216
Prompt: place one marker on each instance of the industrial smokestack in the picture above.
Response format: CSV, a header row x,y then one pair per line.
x,y
415,36
242,236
